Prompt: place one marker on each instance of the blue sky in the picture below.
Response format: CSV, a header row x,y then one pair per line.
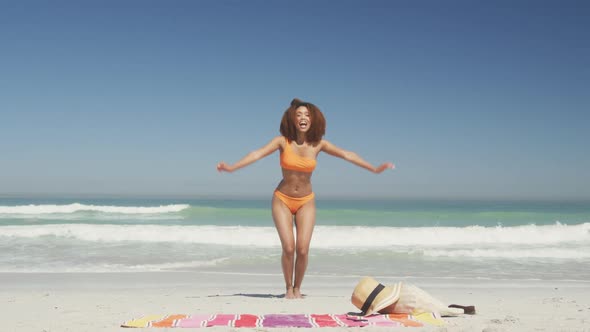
x,y
468,99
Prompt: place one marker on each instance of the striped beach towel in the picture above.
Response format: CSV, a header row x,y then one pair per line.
x,y
284,320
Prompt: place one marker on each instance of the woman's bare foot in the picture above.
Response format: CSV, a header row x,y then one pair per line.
x,y
290,293
297,293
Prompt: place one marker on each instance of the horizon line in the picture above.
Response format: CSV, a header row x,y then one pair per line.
x,y
98,195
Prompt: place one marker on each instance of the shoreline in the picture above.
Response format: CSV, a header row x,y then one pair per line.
x,y
152,278
103,301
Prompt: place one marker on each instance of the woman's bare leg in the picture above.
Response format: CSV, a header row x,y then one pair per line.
x,y
304,222
284,223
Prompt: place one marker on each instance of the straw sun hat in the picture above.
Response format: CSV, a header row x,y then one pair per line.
x,y
370,296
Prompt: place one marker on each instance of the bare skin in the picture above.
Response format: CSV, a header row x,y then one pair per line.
x,y
295,246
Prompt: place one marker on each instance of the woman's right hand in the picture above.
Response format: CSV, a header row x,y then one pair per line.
x,y
223,167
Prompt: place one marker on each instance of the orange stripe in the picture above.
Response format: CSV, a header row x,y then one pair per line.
x,y
403,318
168,321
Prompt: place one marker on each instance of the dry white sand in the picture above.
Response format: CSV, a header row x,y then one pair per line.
x,y
102,302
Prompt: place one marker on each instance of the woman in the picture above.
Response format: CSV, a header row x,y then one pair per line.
x,y
302,128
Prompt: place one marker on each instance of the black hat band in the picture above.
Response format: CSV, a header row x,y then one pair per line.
x,y
371,298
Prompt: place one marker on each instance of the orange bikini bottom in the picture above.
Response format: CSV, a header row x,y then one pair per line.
x,y
294,203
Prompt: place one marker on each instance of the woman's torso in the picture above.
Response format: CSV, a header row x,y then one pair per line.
x,y
298,163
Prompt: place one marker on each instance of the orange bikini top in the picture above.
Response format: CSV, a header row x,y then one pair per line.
x,y
294,162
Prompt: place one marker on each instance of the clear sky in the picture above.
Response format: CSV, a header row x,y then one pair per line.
x,y
469,99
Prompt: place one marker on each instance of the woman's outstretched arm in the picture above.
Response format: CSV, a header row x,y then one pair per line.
x,y
253,156
354,158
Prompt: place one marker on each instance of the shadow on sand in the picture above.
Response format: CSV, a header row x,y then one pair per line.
x,y
264,296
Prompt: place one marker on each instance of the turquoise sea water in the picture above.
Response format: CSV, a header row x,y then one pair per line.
x,y
403,238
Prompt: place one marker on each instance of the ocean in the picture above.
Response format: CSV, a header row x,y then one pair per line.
x,y
444,239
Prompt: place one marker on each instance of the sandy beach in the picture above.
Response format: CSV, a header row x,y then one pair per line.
x,y
103,301
177,157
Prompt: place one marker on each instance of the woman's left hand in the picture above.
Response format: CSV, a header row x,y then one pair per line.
x,y
383,167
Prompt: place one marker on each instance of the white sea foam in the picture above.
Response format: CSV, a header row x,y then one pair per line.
x,y
449,236
77,207
555,253
167,266
328,237
122,267
230,235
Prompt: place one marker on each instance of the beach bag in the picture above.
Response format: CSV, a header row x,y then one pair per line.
x,y
414,301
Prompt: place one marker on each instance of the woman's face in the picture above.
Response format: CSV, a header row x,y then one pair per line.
x,y
302,119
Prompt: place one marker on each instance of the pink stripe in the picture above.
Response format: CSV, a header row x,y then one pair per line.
x,y
381,320
221,320
350,322
194,321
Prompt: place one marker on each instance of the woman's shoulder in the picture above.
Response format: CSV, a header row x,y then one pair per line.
x,y
322,143
280,140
